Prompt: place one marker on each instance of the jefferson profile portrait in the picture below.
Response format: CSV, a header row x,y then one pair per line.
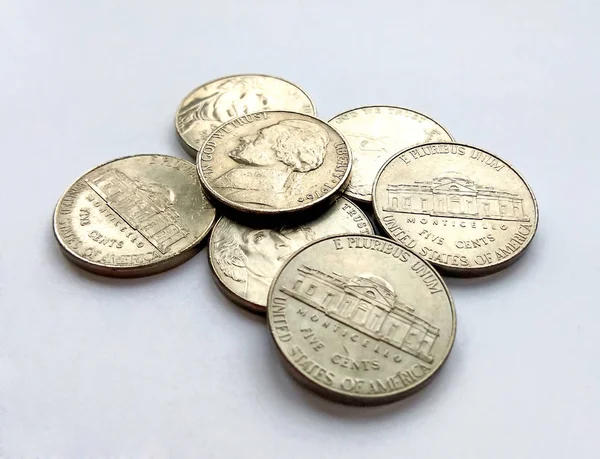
x,y
229,99
272,161
251,257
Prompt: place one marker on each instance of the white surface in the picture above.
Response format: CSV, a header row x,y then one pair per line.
x,y
165,367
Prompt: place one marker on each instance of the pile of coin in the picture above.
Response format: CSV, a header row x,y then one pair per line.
x,y
357,317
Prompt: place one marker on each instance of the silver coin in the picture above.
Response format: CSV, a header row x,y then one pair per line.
x,y
134,216
274,163
464,209
360,319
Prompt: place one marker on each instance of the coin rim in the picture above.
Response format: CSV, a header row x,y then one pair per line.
x,y
240,300
193,152
455,270
329,197
345,397
368,201
129,271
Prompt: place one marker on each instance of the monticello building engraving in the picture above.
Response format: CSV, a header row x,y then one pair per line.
x,y
368,304
454,195
147,208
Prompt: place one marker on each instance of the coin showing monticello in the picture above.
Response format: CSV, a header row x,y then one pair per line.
x,y
360,319
134,216
465,210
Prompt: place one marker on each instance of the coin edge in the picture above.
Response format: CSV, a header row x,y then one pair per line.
x,y
328,198
133,271
453,270
363,399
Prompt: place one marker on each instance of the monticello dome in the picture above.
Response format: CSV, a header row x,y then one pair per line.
x,y
452,176
366,279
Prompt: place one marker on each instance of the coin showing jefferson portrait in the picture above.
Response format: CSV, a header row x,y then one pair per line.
x,y
465,210
360,319
244,260
274,163
375,133
134,216
216,102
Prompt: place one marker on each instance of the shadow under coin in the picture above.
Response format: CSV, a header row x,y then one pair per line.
x,y
82,274
429,395
215,291
176,147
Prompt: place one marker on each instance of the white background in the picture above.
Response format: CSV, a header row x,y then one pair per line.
x,y
166,367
